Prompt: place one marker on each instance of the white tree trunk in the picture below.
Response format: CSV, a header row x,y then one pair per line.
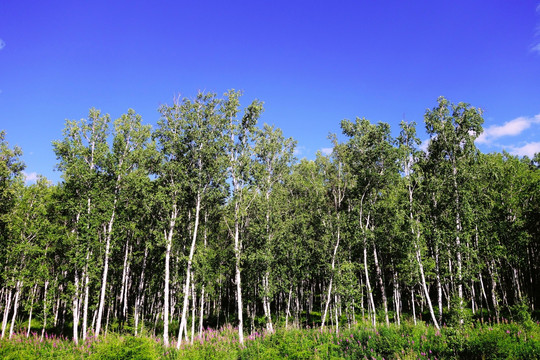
x,y
108,235
139,298
201,312
288,312
15,308
238,282
371,303
124,281
76,310
331,275
86,278
6,312
169,236
193,306
381,284
44,309
183,322
31,310
413,306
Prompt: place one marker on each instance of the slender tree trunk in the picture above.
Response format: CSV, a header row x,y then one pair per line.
x,y
397,296
57,306
238,282
473,295
287,312
438,283
266,302
138,298
331,275
494,290
169,236
201,312
484,291
123,290
458,240
6,311
424,286
76,310
31,310
86,278
369,291
44,308
266,277
108,235
201,315
413,305
15,307
183,322
193,307
517,287
362,298
336,313
381,284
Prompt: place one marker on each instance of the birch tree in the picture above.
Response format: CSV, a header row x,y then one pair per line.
x,y
202,133
372,159
273,155
238,150
124,163
409,159
81,155
452,129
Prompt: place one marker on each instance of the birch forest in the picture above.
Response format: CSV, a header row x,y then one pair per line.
x,y
209,219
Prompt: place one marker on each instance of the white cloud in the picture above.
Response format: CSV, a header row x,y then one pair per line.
x,y
30,177
526,150
326,151
424,145
509,128
298,150
536,48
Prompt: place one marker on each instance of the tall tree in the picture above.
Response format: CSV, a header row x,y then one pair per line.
x,y
202,133
452,129
240,132
372,159
409,157
123,165
273,155
82,155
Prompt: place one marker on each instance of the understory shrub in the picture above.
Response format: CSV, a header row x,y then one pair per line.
x,y
508,340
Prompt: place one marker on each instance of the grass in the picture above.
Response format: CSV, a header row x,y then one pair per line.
x,y
508,340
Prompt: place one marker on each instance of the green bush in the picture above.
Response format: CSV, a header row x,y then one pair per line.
x,y
505,341
124,348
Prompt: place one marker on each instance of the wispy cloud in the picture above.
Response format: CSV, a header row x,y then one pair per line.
x,y
526,150
326,151
2,44
536,45
299,150
509,128
424,145
30,177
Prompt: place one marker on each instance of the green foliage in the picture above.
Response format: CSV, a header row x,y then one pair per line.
x,y
459,315
120,348
505,341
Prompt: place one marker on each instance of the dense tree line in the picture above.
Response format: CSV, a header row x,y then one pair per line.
x,y
210,219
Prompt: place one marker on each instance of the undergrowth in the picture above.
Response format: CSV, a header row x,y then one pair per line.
x,y
508,340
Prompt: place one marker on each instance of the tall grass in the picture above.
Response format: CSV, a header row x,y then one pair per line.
x,y
508,340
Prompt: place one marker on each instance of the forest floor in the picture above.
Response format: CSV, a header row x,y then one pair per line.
x,y
507,340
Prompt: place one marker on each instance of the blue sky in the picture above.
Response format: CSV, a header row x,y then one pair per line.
x,y
313,63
